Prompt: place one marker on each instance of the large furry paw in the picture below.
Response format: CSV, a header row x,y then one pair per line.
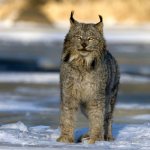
x,y
109,138
83,138
92,140
65,139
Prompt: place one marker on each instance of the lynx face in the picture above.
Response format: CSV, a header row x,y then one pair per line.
x,y
85,38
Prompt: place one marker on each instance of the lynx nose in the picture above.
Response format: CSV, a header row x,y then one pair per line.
x,y
84,45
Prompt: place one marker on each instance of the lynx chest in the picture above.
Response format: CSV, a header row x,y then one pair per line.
x,y
86,85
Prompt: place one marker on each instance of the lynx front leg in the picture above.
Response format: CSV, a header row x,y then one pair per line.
x,y
67,121
96,118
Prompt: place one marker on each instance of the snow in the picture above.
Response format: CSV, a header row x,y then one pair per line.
x,y
19,136
126,78
29,36
142,117
46,78
12,104
19,125
129,106
133,35
29,78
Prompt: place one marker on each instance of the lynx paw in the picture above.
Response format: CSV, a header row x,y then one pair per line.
x,y
83,138
93,140
65,139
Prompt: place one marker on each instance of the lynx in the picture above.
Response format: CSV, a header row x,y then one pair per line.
x,y
89,79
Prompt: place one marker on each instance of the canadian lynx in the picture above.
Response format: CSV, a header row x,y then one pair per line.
x,y
89,79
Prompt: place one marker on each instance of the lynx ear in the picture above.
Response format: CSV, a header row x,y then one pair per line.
x,y
99,25
72,20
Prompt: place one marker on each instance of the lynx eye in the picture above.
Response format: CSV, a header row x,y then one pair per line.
x,y
79,37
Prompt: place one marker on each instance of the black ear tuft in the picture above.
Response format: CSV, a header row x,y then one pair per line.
x,y
99,25
71,17
72,20
101,18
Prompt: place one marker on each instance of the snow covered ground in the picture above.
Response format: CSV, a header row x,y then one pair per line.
x,y
31,98
26,100
53,78
114,34
19,136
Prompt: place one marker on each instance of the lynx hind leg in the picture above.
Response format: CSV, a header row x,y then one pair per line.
x,y
108,118
108,125
83,138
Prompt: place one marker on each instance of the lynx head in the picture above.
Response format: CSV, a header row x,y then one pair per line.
x,y
85,39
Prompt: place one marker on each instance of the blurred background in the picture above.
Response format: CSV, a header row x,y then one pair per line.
x,y
31,41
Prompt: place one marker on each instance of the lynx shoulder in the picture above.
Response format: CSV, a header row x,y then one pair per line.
x,y
89,79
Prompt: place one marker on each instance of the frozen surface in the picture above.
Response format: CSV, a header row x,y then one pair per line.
x,y
18,126
47,78
19,136
142,117
112,35
14,103
130,106
29,78
126,78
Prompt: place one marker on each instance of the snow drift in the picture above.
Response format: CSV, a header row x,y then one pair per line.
x,y
18,134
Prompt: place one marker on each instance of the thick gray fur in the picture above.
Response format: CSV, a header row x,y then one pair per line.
x,y
89,79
